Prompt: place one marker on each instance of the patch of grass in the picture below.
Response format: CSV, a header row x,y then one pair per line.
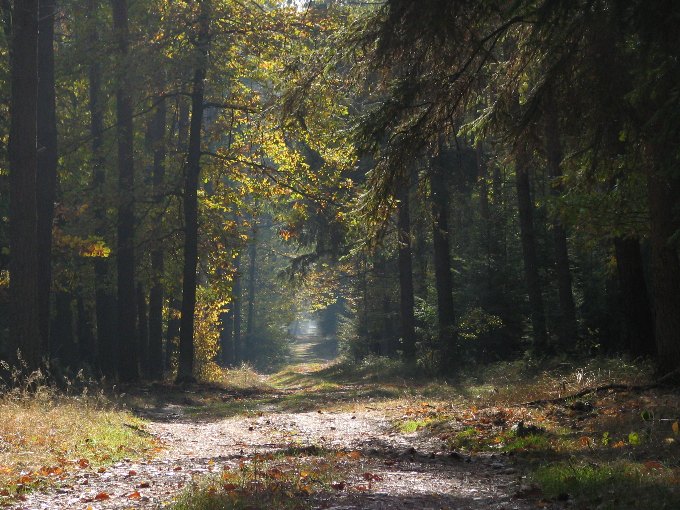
x,y
243,378
612,486
45,435
282,481
410,426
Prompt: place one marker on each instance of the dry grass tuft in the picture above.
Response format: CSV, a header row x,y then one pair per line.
x,y
46,433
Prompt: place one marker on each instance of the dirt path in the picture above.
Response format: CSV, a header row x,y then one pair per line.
x,y
413,473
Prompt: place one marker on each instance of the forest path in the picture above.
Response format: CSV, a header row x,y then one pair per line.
x,y
313,348
208,430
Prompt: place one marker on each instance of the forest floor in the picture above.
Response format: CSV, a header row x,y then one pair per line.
x,y
324,435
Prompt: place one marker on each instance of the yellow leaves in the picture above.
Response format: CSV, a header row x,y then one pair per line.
x,y
676,428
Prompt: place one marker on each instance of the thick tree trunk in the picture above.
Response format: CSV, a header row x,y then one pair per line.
x,y
237,304
23,231
635,306
446,317
185,371
663,192
47,162
157,255
568,327
252,289
526,223
125,256
406,302
105,303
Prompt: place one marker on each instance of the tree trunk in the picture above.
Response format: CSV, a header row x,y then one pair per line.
x,y
663,193
185,371
143,331
485,212
47,162
172,334
63,344
406,303
86,347
252,288
157,255
23,233
238,299
442,264
129,365
526,223
227,338
568,327
105,303
635,306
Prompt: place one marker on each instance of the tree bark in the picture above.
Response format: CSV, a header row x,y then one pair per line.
x,y
526,223
63,347
23,231
568,331
635,306
227,338
252,289
406,302
47,162
129,363
143,331
446,316
172,334
193,170
238,299
105,303
86,347
663,193
157,256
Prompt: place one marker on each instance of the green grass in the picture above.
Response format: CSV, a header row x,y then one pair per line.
x,y
612,485
46,436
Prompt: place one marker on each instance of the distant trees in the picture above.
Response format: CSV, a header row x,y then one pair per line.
x,y
457,181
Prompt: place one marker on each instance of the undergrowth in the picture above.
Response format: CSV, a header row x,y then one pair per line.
x,y
47,433
283,480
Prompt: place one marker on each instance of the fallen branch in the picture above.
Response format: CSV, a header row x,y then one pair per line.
x,y
606,387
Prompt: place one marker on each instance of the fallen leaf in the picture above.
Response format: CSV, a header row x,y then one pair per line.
x,y
102,496
144,485
132,472
134,495
676,428
653,464
83,463
338,486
